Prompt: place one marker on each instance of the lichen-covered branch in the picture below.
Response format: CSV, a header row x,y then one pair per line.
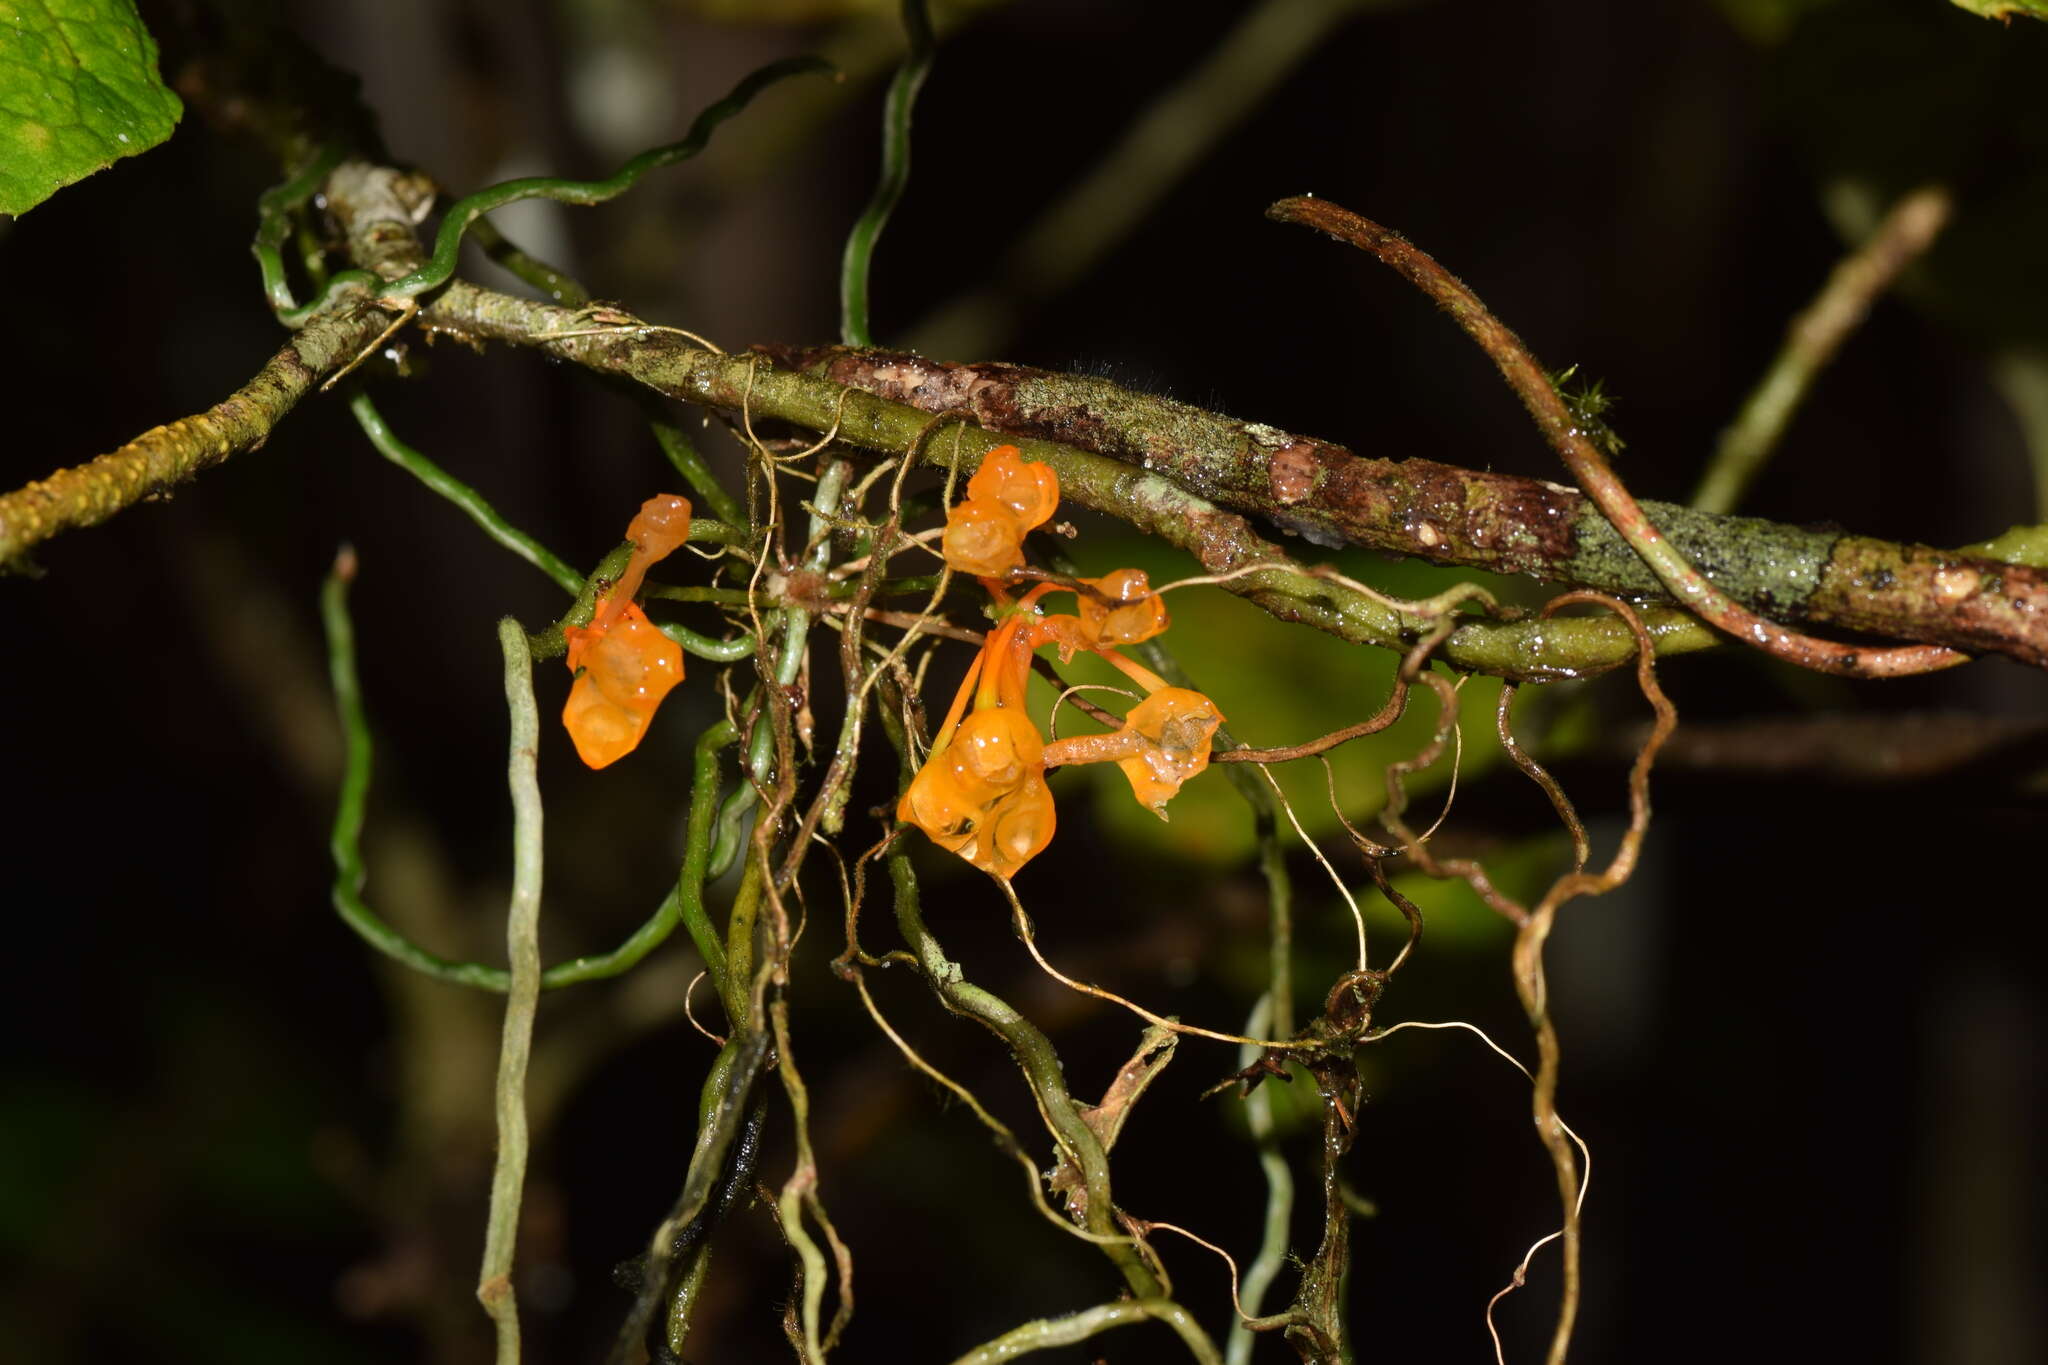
x,y
1499,522
88,494
1570,433
1221,541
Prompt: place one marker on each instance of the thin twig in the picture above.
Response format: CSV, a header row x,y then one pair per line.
x,y
1022,921
1167,138
1812,339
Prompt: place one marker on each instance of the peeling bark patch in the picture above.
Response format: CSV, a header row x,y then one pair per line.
x,y
1972,604
1953,585
1292,473
1504,524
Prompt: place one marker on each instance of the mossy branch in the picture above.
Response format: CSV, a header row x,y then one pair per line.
x,y
1450,515
162,457
1221,541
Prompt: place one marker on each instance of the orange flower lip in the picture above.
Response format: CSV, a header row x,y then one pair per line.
x,y
624,665
1128,612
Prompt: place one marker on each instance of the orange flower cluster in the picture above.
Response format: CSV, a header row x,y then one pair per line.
x,y
623,664
981,792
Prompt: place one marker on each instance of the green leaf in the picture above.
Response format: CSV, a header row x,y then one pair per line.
x,y
78,91
2004,9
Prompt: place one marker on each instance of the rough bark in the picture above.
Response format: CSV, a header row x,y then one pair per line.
x,y
1479,519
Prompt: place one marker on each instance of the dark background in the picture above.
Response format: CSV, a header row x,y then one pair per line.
x,y
1802,1043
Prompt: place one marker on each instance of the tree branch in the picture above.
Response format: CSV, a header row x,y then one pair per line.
x,y
89,494
1566,429
1222,542
1091,432
1498,522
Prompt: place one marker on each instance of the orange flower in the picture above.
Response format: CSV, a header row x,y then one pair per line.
x,y
1128,612
1007,497
981,792
1176,725
623,664
982,538
1164,741
660,526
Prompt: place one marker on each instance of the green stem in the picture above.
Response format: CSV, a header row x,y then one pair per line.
x,y
682,1302
522,946
345,842
465,211
561,288
896,114
2021,376
1272,1253
553,644
740,932
722,1113
1046,1333
704,647
558,287
682,453
472,503
456,222
697,856
1034,1054
274,212
724,597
